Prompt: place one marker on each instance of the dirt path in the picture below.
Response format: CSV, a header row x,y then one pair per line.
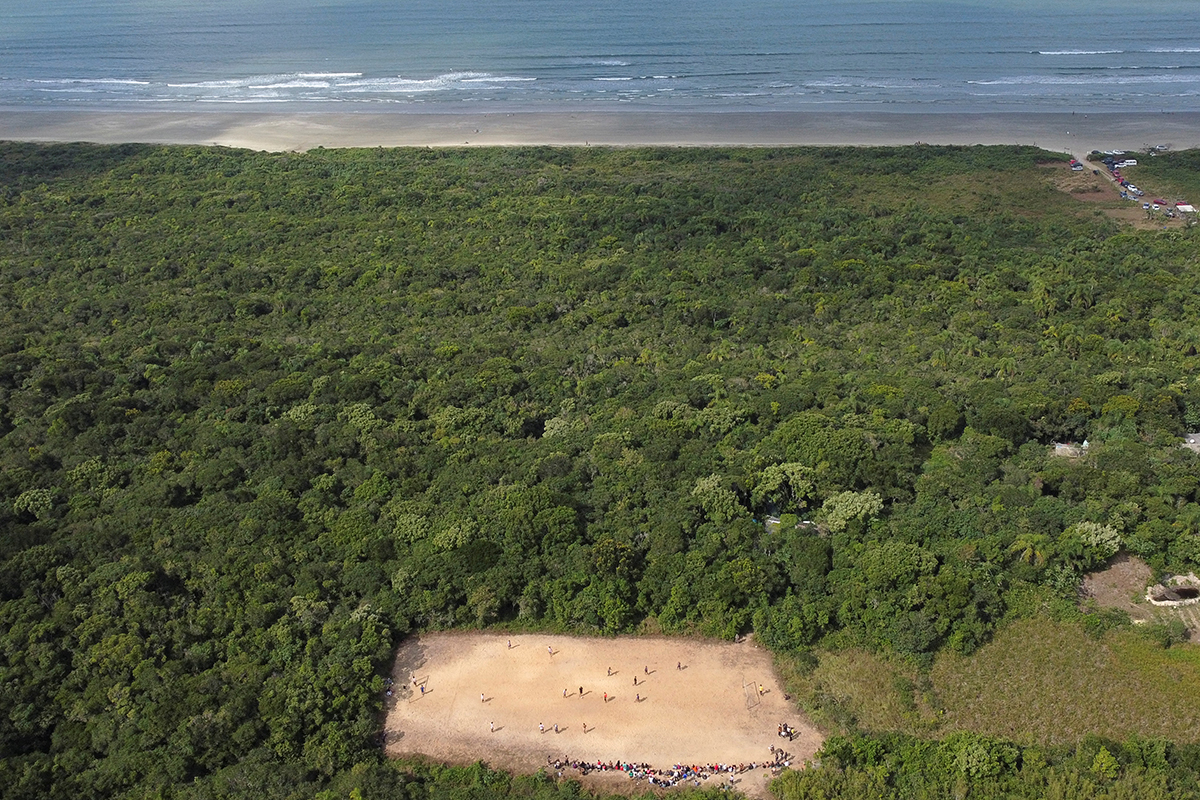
x,y
695,702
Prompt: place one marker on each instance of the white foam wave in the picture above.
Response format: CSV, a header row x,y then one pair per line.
x,y
1174,50
292,85
213,84
852,84
101,81
612,79
1079,52
301,80
498,79
1084,80
449,80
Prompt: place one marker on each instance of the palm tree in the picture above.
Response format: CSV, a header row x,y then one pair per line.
x,y
1031,548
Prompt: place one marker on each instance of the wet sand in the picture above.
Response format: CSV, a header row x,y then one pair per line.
x,y
278,131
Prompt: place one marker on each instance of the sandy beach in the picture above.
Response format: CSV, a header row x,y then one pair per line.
x,y
279,131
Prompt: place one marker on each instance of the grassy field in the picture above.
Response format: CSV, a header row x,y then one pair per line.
x,y
1043,681
1038,681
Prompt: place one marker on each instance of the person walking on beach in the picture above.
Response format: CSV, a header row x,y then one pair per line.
x,y
564,692
481,698
422,690
492,725
761,690
556,727
606,697
610,672
646,669
635,680
679,666
550,650
638,697
510,644
581,691
541,728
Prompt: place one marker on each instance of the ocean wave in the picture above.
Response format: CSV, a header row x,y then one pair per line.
x,y
101,81
1174,50
612,79
1084,80
1079,52
860,84
449,80
289,80
231,83
498,79
292,85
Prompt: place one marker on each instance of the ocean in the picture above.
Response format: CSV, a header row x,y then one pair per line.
x,y
514,55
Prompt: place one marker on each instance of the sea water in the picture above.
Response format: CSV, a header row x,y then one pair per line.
x,y
446,55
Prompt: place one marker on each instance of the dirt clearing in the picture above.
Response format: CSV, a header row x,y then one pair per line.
x,y
654,700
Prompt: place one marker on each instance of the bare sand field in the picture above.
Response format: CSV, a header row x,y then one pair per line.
x,y
694,702
294,130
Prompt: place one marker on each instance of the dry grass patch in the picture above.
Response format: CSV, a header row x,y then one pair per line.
x,y
874,693
1047,682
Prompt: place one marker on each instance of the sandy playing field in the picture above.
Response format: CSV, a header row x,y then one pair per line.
x,y
700,703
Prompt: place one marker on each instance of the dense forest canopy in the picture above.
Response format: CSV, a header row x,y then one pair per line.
x,y
261,415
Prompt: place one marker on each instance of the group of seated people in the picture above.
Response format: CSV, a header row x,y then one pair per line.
x,y
678,774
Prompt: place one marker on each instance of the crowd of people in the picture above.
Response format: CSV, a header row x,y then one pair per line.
x,y
677,775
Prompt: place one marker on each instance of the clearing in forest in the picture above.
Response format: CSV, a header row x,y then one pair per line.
x,y
694,702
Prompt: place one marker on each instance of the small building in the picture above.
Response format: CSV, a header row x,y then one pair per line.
x,y
1070,449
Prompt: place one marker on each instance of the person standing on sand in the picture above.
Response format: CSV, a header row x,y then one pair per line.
x,y
610,672
550,650
492,725
541,728
556,727
606,697
481,698
564,693
679,665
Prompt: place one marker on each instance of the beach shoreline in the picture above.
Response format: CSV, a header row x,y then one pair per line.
x,y
272,130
